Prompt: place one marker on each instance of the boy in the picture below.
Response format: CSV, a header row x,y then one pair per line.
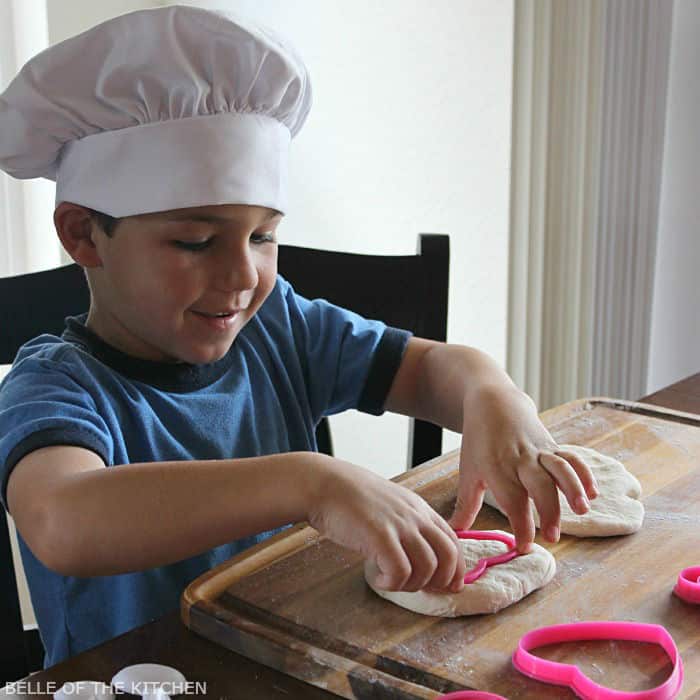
x,y
198,372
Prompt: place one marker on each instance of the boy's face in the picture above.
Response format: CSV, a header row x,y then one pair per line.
x,y
179,285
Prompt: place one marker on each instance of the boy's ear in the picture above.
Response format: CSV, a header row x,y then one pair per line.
x,y
76,229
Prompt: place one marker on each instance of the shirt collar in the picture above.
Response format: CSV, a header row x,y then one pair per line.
x,y
174,377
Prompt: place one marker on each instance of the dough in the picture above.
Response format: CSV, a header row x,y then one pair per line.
x,y
498,587
616,510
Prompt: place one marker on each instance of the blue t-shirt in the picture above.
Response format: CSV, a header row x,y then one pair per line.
x,y
293,363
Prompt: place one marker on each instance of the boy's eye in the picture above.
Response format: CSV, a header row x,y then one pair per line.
x,y
195,246
258,238
192,245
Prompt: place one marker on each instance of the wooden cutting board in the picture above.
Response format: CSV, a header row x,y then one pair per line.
x,y
299,603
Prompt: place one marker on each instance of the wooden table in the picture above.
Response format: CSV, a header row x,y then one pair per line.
x,y
226,674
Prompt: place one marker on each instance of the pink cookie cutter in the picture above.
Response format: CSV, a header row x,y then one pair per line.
x,y
688,586
483,564
571,676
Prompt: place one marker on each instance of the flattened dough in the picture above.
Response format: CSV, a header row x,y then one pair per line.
x,y
616,511
499,586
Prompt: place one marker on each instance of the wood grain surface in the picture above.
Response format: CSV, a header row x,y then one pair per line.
x,y
299,604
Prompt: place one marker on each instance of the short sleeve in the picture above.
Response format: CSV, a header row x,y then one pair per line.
x,y
350,361
40,406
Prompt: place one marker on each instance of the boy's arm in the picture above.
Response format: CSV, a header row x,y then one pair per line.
x,y
83,519
504,444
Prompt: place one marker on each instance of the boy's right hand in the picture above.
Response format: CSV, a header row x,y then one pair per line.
x,y
412,545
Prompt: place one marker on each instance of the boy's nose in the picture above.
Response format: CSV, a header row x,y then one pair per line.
x,y
236,272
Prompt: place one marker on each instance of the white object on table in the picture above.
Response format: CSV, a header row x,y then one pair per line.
x,y
150,681
84,690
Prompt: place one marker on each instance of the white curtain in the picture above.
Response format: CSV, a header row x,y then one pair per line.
x,y
589,102
28,240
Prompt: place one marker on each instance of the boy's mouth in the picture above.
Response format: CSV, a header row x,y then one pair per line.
x,y
218,314
221,311
220,320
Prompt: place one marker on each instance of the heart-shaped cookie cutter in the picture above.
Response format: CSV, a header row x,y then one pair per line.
x,y
571,676
688,586
484,563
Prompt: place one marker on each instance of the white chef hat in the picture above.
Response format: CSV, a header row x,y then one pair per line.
x,y
158,109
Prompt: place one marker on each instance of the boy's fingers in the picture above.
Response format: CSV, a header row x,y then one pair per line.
x,y
456,582
394,567
447,529
543,491
517,509
583,471
469,500
447,560
566,479
423,560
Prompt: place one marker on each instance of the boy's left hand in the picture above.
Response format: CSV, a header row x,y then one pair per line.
x,y
506,448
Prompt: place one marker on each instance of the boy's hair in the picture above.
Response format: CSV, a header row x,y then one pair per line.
x,y
107,223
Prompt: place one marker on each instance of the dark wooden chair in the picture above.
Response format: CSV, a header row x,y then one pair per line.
x,y
406,291
29,305
21,650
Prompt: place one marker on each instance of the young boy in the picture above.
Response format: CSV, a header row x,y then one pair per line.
x,y
173,425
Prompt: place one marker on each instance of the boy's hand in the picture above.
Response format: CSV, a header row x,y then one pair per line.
x,y
507,448
412,545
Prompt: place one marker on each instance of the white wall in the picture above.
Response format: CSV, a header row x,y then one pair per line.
x,y
70,17
675,331
409,133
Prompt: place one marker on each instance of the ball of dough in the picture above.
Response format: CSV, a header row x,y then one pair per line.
x,y
498,587
616,510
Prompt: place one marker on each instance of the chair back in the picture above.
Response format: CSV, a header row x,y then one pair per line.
x,y
21,651
405,291
37,303
30,304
